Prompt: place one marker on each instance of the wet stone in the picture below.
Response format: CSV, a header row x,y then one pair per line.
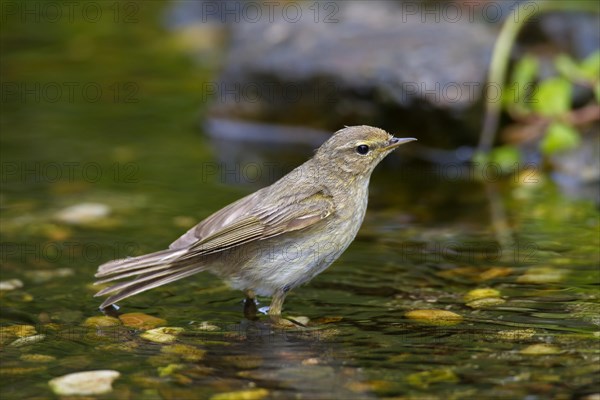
x,y
540,349
434,317
486,302
516,334
12,332
21,370
141,321
542,275
25,341
207,326
494,272
243,361
170,369
11,284
162,335
83,213
481,293
37,358
423,379
251,394
41,276
186,352
101,321
84,383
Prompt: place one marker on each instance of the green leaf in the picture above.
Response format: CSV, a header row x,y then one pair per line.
x,y
506,157
590,67
568,67
515,94
480,157
559,137
525,71
553,97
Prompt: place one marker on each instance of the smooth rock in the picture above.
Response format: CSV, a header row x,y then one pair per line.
x,y
481,293
25,341
373,63
516,334
101,321
37,358
542,275
540,349
486,302
434,317
10,284
83,213
163,334
186,352
84,383
141,320
250,394
45,275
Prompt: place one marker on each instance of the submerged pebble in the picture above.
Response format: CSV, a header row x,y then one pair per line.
x,y
45,275
540,349
84,383
251,394
8,333
141,321
434,317
21,370
483,297
481,293
83,213
24,341
423,379
186,352
101,321
244,361
163,334
17,330
170,369
207,326
494,272
486,302
516,334
10,284
37,358
542,275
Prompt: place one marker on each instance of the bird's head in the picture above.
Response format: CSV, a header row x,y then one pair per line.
x,y
358,149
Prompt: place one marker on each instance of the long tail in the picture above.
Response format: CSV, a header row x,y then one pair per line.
x,y
151,270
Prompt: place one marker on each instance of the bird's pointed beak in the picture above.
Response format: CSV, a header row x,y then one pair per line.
x,y
395,142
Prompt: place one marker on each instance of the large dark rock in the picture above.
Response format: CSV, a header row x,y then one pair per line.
x,y
388,64
415,68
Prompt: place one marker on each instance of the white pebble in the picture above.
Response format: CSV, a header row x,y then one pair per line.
x,y
84,383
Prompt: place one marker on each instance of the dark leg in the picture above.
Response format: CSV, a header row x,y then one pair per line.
x,y
250,305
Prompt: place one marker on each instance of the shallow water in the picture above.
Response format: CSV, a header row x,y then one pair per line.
x,y
429,239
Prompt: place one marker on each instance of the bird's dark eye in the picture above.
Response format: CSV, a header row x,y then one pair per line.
x,y
362,149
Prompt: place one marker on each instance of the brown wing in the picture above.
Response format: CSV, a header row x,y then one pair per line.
x,y
246,220
234,226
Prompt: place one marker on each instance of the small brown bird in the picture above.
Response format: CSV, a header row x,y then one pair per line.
x,y
276,238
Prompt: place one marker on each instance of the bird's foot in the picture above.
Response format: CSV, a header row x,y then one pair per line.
x,y
250,308
288,322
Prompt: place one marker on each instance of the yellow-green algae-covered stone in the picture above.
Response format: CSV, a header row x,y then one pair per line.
x,y
163,334
434,317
